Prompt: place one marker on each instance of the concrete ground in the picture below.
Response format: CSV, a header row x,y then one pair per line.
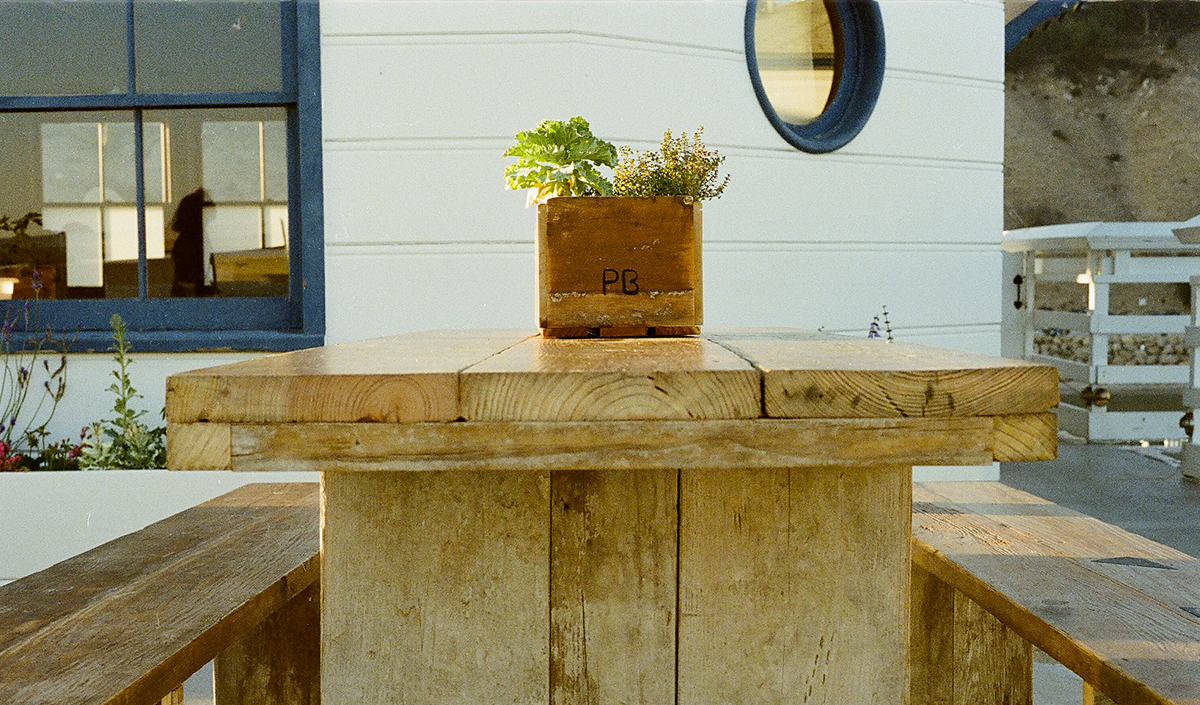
x,y
1140,490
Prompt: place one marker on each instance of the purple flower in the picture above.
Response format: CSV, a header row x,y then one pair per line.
x,y
8,326
874,330
37,280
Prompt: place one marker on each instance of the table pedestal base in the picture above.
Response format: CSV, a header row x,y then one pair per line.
x,y
609,586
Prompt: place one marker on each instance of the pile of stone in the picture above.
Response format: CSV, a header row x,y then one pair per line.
x,y
1166,349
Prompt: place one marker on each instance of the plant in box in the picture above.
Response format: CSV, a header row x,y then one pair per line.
x,y
626,264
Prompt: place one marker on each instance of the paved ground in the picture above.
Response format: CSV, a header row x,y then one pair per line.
x,y
1120,486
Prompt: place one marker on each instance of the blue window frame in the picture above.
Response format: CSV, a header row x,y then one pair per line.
x,y
791,44
157,58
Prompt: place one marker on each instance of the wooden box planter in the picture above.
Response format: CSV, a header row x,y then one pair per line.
x,y
611,266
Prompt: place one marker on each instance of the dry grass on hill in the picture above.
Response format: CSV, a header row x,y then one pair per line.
x,y
1102,115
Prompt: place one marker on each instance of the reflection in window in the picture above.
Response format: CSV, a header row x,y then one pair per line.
x,y
85,163
227,231
78,171
796,44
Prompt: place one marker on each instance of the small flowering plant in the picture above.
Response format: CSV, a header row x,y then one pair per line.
x,y
29,354
876,331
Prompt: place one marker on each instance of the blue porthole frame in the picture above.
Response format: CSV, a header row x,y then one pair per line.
x,y
857,90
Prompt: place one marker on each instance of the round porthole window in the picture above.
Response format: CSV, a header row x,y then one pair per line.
x,y
816,66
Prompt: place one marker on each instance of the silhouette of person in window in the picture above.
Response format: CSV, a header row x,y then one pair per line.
x,y
188,250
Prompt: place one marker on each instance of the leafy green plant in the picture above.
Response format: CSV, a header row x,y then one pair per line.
x,y
124,441
680,167
19,227
560,159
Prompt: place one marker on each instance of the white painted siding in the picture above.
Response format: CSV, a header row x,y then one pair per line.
x,y
422,98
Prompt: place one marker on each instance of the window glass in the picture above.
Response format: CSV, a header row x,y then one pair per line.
x,y
797,57
72,169
63,47
207,46
816,66
227,217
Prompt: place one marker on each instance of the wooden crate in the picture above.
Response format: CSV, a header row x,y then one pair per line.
x,y
611,266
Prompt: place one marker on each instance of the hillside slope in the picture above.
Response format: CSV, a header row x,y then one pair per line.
x,y
1103,117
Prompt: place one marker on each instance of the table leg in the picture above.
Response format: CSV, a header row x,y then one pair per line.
x,y
612,586
794,585
435,587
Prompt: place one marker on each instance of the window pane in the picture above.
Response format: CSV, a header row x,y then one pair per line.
x,y
63,47
227,209
207,46
119,170
57,165
795,47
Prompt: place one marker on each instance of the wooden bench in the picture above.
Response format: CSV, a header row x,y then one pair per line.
x,y
234,579
996,570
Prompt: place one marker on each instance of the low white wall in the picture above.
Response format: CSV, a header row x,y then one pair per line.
x,y
47,517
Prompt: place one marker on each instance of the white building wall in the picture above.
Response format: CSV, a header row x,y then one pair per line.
x,y
422,98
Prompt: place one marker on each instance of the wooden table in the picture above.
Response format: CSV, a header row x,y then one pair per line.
x,y
512,519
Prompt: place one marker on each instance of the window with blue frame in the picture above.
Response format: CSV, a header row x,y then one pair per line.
x,y
816,66
170,153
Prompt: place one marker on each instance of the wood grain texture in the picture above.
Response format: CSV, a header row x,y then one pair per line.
x,y
931,640
198,446
435,588
617,262
793,585
992,664
1024,437
1032,565
278,662
612,587
809,375
960,654
733,444
1091,696
545,379
129,621
175,697
400,379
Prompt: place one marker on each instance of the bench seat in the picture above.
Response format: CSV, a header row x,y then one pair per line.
x,y
129,621
1120,610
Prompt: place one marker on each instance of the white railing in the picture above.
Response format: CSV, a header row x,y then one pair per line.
x,y
1108,305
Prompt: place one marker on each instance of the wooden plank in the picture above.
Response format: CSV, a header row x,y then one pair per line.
x,y
1025,437
435,588
612,586
1081,537
733,444
931,640
992,664
545,379
198,446
805,376
1091,696
399,379
91,629
175,697
960,654
793,585
278,662
1133,646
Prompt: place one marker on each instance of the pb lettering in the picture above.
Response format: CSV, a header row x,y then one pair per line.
x,y
627,278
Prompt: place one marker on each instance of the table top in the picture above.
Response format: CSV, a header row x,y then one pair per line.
x,y
477,379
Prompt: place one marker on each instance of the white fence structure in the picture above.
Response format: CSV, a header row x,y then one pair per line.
x,y
1108,305
1190,464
